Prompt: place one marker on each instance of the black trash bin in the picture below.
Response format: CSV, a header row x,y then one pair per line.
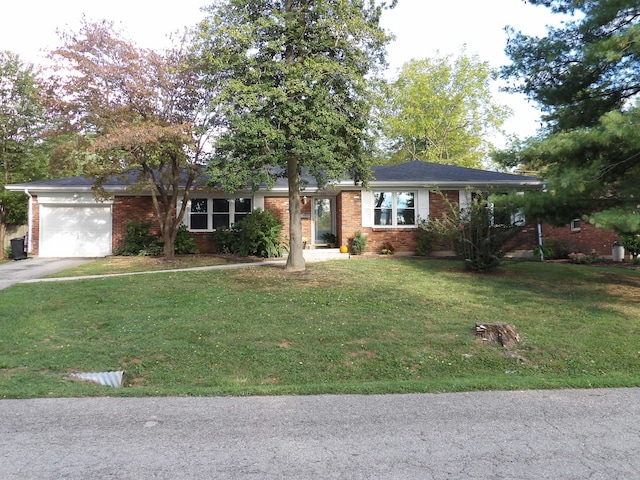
x,y
17,247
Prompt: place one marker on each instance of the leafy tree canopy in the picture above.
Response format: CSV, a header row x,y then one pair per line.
x,y
124,109
586,77
295,78
441,110
21,125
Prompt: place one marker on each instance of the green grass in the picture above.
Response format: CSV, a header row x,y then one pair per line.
x,y
357,326
115,264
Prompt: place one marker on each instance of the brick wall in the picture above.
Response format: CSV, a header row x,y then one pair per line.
x,y
34,241
584,241
438,205
348,215
280,207
348,206
131,209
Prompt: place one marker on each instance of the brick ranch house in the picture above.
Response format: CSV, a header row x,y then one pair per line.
x,y
66,221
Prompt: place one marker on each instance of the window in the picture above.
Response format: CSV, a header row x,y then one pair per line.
x,y
394,209
209,214
503,215
575,225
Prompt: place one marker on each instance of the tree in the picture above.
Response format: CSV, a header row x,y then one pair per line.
x,y
441,110
20,134
586,78
296,78
128,109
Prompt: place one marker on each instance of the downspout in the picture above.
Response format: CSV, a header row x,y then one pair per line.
x,y
29,221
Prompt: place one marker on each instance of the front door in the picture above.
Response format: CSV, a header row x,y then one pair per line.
x,y
322,219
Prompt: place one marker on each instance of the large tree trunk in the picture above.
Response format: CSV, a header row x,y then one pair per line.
x,y
295,261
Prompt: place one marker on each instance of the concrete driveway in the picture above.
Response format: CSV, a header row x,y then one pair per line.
x,y
563,434
35,267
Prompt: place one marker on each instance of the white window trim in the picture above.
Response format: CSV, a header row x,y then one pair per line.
x,y
394,208
575,225
210,198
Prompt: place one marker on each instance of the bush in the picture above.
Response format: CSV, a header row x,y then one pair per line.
x,y
358,243
434,232
185,243
138,241
476,239
387,248
583,258
259,234
225,241
631,243
558,249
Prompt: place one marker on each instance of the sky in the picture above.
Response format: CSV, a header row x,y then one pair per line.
x,y
423,28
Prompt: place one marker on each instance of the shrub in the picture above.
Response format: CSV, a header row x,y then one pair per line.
x,y
358,243
259,234
387,248
434,232
631,243
225,241
558,248
138,241
583,258
543,252
426,238
185,243
479,242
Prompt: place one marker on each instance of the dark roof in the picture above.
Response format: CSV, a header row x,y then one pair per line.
x,y
415,172
434,173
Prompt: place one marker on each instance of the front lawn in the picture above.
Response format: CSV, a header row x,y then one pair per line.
x,y
347,326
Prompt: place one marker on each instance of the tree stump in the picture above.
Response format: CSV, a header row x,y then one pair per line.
x,y
503,333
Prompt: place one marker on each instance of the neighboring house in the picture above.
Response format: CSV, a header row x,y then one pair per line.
x,y
66,221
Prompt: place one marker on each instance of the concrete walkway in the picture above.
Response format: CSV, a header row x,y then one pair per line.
x,y
564,434
32,269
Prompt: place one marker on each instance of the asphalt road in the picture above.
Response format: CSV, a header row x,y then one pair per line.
x,y
565,434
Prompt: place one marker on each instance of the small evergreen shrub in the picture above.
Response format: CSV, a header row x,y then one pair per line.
x,y
358,243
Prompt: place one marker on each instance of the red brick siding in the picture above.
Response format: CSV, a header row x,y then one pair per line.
x,y
438,207
349,220
34,241
348,215
131,209
584,241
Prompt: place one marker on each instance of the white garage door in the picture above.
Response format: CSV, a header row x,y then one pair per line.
x,y
75,231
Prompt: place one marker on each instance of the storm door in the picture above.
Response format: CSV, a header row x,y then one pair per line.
x,y
323,219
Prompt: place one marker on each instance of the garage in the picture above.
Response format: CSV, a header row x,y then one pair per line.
x,y
75,230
